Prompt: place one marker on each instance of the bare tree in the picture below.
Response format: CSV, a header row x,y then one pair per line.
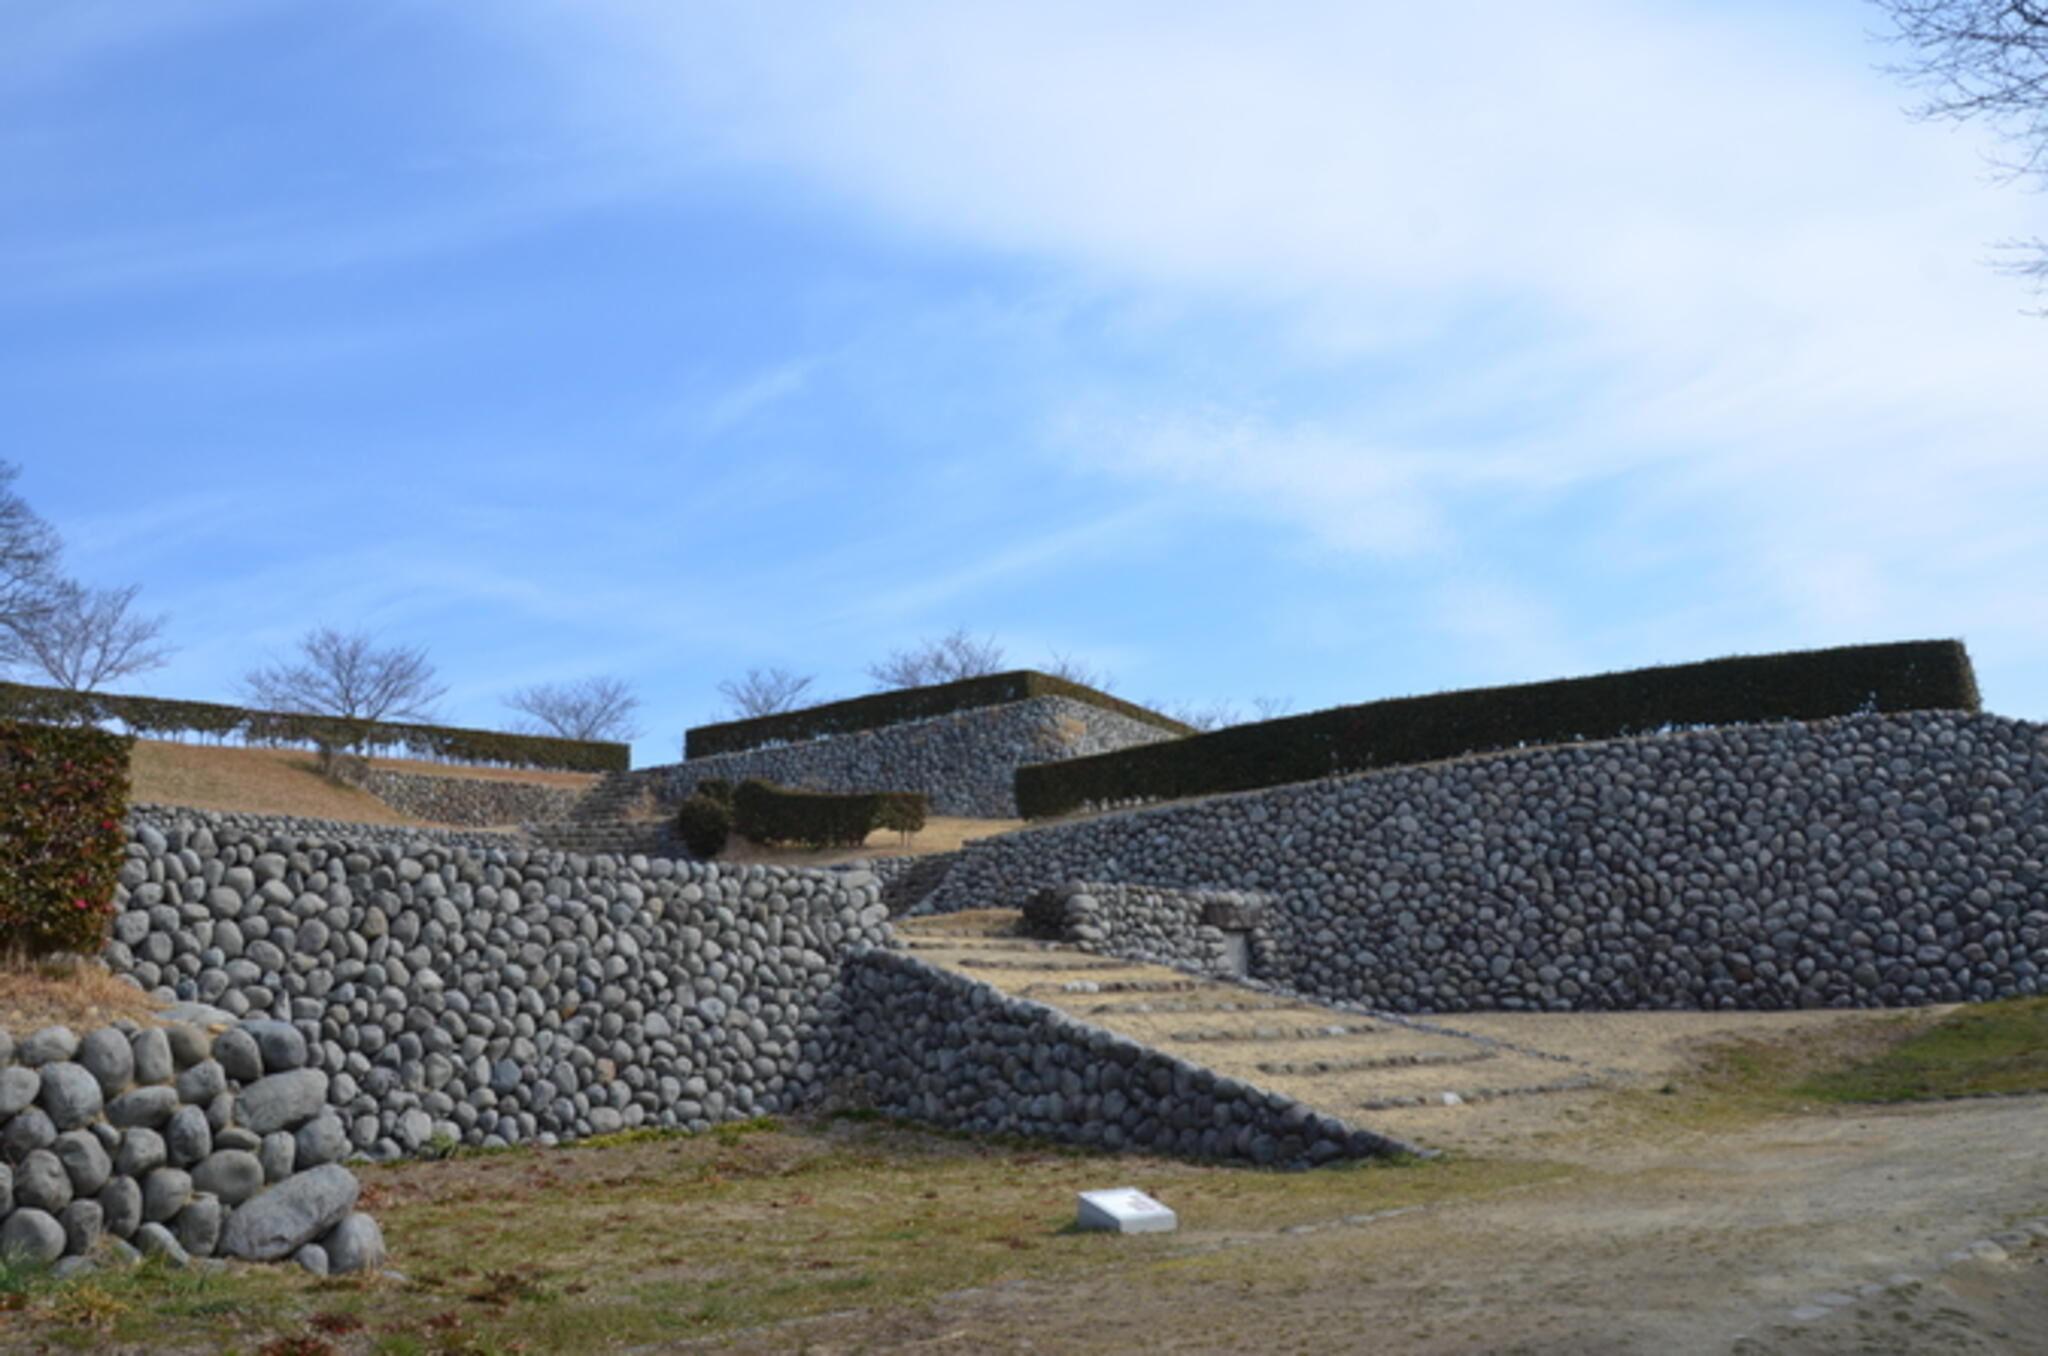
x,y
1078,671
1213,716
763,692
348,674
948,659
86,637
28,566
1984,59
1271,708
588,708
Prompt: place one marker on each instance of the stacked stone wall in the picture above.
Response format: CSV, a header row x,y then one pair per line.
x,y
488,994
1867,860
942,1049
497,994
1168,925
175,1142
467,800
964,761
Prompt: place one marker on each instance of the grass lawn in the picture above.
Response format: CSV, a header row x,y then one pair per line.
x,y
644,1239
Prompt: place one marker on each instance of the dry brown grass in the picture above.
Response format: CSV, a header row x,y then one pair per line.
x,y
286,781
35,994
941,833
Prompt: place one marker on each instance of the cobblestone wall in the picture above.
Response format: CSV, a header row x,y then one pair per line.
x,y
1867,860
964,762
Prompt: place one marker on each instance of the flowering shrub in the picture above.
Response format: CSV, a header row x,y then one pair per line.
x,y
63,803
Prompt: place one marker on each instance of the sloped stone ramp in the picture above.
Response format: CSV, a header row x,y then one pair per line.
x,y
1338,1061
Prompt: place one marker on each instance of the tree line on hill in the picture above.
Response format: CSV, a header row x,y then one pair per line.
x,y
65,634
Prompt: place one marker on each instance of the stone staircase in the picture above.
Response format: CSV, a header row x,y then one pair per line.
x,y
1341,1061
619,796
621,815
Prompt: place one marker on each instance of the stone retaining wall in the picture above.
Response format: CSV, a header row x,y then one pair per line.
x,y
467,800
495,994
1169,925
939,1048
1867,860
964,761
175,1142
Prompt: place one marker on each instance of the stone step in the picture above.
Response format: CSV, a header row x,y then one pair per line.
x,y
1182,1007
1579,1083
1315,1067
1272,1034
1085,986
917,943
1047,963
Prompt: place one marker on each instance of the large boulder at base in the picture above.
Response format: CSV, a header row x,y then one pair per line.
x,y
297,1210
355,1244
32,1235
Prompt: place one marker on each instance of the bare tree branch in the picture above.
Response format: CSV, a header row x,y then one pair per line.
x,y
28,566
948,659
1984,59
343,674
763,692
1213,716
1079,671
86,637
588,708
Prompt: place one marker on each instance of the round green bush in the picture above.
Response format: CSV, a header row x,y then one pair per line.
x,y
703,824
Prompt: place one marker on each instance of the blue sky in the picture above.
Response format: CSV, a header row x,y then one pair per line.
x,y
1304,350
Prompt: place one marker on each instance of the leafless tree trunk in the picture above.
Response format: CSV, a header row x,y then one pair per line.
x,y
589,708
344,674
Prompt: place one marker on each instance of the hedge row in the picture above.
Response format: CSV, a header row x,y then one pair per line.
x,y
156,716
63,803
1807,685
899,707
767,813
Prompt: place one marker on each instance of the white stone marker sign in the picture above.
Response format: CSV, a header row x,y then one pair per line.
x,y
1125,1210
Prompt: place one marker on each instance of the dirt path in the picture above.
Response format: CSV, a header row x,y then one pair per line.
x,y
1670,1235
1713,1245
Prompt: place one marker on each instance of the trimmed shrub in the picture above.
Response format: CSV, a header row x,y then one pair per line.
x,y
1807,685
63,800
154,716
901,811
704,824
880,709
768,813
718,788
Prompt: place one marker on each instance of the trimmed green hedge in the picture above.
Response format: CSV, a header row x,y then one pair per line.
x,y
1805,685
880,709
156,716
63,807
767,813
